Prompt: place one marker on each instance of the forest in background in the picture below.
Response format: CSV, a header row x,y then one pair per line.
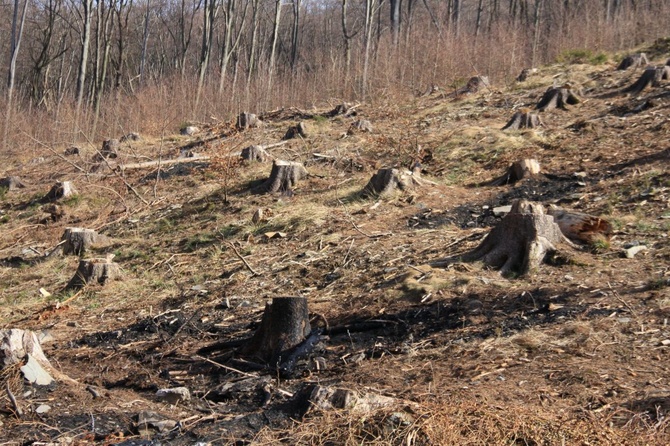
x,y
82,70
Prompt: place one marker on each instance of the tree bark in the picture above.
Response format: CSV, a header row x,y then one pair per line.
x,y
651,76
11,183
633,61
83,61
580,227
517,171
60,190
15,44
386,181
92,271
283,177
78,241
523,119
558,98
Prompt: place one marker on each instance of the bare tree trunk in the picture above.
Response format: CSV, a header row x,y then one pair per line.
x,y
370,9
83,62
252,47
15,43
230,40
210,11
295,34
275,36
478,24
145,41
536,29
347,45
395,20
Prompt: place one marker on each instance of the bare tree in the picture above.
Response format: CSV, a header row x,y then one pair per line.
x,y
275,36
85,16
15,43
232,34
210,13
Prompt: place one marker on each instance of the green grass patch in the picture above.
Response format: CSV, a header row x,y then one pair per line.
x,y
582,56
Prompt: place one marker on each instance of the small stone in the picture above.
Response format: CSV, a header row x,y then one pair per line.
x,y
189,130
631,252
174,395
44,292
43,408
500,211
579,174
665,342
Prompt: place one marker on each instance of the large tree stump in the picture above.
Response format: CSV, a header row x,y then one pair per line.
x,y
11,183
521,240
650,76
523,119
517,171
94,271
284,326
633,61
580,227
110,149
298,130
255,153
78,241
474,85
248,120
23,347
559,97
386,181
343,109
362,125
60,190
283,177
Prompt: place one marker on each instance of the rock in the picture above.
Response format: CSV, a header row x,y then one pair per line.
x,y
189,130
632,251
43,408
500,211
147,420
132,136
174,395
362,125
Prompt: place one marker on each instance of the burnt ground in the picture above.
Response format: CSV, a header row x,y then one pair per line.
x,y
574,353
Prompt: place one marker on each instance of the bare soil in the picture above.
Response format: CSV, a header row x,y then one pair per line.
x,y
575,353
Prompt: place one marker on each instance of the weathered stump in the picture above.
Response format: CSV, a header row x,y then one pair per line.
x,y
284,326
110,149
11,183
521,240
650,76
132,136
247,120
70,151
633,61
517,171
558,98
60,190
314,396
283,177
343,109
23,347
523,119
294,131
361,125
189,130
474,85
78,241
525,74
580,227
94,271
387,180
255,153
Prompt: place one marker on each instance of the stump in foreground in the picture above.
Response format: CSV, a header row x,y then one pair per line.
x,y
92,271
580,227
255,153
387,181
298,130
520,242
558,98
633,61
11,183
285,325
283,177
23,347
248,120
474,85
651,76
519,170
60,190
523,119
78,241
109,150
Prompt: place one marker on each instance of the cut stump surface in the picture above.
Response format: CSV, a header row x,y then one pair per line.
x,y
92,271
283,177
558,98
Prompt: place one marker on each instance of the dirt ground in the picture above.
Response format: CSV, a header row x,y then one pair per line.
x,y
576,352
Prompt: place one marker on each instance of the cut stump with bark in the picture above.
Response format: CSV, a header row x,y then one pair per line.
x,y
78,241
474,85
11,183
255,153
580,227
91,271
633,61
361,125
248,120
318,397
517,171
283,177
60,190
285,325
523,119
344,109
652,76
559,97
109,150
521,241
386,181
298,130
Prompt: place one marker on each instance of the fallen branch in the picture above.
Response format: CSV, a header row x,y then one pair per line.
x,y
145,164
237,253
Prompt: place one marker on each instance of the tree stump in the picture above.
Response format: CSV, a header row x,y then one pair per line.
x,y
387,180
132,136
474,85
110,149
580,227
296,130
283,177
525,74
517,171
255,153
633,61
558,98
521,240
189,130
247,120
650,76
523,119
343,109
80,240
94,271
60,190
23,347
285,325
11,183
361,125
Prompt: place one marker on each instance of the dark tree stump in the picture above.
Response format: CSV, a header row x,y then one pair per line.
x,y
71,151
343,109
474,85
525,74
94,271
521,240
110,148
132,136
11,183
361,125
60,190
523,119
80,240
580,227
558,98
633,61
283,177
294,131
387,181
247,120
285,325
255,153
651,76
517,171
